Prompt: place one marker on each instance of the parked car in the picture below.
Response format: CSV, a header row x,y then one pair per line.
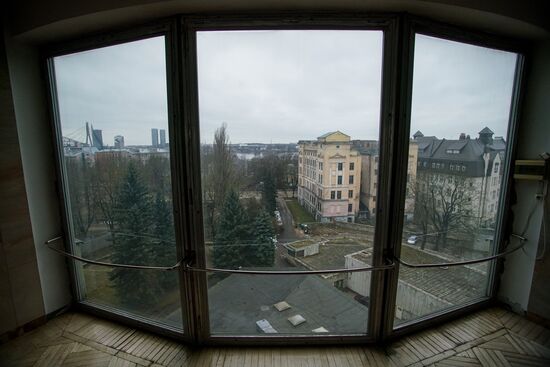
x,y
304,227
412,240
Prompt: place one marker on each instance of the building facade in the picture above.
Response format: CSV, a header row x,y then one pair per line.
x,y
154,138
119,142
464,174
369,151
162,138
329,177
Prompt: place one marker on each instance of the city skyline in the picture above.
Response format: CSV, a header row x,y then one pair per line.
x,y
284,93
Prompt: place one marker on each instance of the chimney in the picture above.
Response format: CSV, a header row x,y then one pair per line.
x,y
462,136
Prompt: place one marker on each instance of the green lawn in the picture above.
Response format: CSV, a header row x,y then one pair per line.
x,y
299,214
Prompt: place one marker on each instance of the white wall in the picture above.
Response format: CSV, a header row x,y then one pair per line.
x,y
358,282
416,302
533,139
35,140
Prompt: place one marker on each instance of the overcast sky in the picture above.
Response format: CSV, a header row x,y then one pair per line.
x,y
283,86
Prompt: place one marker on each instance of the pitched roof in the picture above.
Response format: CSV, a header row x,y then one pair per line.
x,y
457,144
326,134
470,153
334,136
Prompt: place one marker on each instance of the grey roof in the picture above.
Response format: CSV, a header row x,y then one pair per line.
x,y
434,150
455,284
498,143
238,301
470,150
457,145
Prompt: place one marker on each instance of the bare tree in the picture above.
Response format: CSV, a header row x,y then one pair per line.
x,y
218,177
109,173
81,193
444,203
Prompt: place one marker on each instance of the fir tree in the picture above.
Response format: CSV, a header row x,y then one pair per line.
x,y
263,250
269,192
131,244
232,235
164,248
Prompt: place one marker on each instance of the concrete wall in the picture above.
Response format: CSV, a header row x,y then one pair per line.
x,y
533,139
539,298
414,302
358,282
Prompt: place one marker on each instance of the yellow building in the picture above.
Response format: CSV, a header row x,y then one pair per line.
x,y
329,177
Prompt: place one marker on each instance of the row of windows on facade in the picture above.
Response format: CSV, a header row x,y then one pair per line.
x,y
333,194
313,163
337,194
453,167
339,179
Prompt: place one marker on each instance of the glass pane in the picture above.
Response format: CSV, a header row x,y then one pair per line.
x,y
460,110
289,124
287,304
114,122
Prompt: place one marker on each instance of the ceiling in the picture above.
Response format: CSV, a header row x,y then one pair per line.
x,y
41,21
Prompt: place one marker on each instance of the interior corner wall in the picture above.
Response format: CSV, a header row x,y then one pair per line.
x,y
533,139
21,301
37,156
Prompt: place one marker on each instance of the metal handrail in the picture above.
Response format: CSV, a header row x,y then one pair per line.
x,y
522,239
188,267
112,265
290,272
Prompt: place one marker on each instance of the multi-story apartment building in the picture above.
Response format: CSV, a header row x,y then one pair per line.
x,y
329,177
469,169
369,151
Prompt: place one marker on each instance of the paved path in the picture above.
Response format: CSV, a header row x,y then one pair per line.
x,y
288,234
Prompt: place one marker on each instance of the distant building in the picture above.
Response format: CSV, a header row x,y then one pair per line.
x,y
162,138
476,163
369,151
112,155
155,137
119,142
329,177
97,136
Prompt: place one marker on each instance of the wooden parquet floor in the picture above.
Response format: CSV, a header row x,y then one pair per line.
x,y
492,337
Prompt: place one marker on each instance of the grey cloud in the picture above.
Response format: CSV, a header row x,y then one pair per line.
x,y
282,86
119,89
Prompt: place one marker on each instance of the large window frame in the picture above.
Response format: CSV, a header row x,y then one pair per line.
x,y
167,29
395,110
412,27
